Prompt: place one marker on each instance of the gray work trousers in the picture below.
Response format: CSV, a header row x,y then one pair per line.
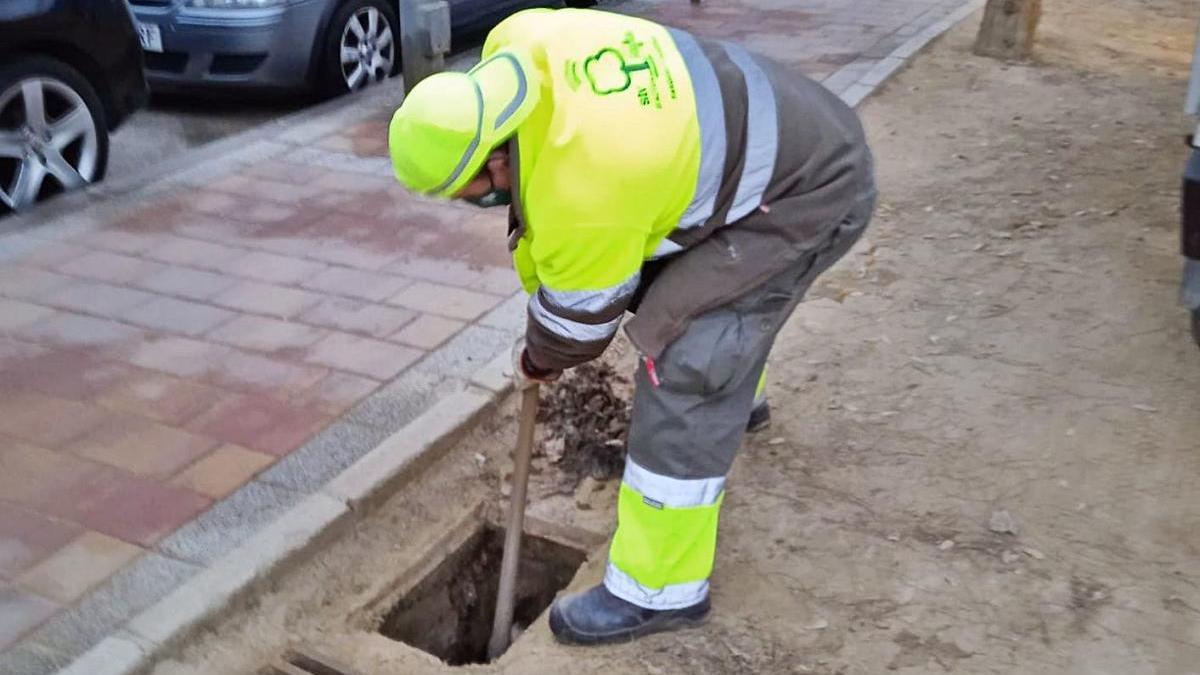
x,y
691,424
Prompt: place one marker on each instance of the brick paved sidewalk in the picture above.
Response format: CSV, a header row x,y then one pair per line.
x,y
179,367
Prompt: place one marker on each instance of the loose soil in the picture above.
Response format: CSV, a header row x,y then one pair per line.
x,y
586,417
1007,340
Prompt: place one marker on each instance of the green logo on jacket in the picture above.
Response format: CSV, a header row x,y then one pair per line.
x,y
612,70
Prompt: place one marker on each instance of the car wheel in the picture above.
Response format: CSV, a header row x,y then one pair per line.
x,y
363,46
53,135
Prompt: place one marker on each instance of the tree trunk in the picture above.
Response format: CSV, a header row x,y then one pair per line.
x,y
1008,29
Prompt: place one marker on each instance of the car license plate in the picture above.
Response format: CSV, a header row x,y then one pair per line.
x,y
151,37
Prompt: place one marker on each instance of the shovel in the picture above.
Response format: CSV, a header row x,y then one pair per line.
x,y
502,625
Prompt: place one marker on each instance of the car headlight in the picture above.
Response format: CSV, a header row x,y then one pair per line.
x,y
235,4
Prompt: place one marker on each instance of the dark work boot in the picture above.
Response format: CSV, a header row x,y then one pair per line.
x,y
760,418
597,617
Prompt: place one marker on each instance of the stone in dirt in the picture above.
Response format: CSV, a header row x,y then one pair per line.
x,y
1002,522
587,492
585,416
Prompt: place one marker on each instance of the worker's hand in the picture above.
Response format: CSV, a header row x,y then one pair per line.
x,y
525,374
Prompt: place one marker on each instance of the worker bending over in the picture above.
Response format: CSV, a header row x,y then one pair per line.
x,y
691,182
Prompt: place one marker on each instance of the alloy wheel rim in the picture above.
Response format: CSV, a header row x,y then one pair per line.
x,y
48,141
368,48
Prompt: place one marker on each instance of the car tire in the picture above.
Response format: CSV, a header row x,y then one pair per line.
x,y
355,57
1196,326
65,149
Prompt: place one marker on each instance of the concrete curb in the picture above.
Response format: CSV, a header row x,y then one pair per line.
x,y
353,492
366,483
858,80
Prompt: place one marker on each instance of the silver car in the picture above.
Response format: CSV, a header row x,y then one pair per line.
x,y
333,46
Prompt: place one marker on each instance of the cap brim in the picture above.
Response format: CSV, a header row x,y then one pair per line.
x,y
504,99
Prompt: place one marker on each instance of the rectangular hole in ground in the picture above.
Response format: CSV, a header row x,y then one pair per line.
x,y
449,613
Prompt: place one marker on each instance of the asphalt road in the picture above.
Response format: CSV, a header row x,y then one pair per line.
x,y
174,124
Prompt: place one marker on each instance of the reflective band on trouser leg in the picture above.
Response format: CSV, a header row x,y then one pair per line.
x,y
760,392
662,553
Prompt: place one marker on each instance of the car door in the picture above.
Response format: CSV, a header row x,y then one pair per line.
x,y
473,16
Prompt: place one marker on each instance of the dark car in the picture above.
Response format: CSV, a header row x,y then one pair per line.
x,y
1190,294
70,73
330,45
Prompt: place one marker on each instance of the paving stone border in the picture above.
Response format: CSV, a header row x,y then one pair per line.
x,y
201,569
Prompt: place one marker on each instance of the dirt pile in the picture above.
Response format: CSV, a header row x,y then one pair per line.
x,y
585,417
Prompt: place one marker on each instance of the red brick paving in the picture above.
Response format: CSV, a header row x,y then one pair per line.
x,y
252,373
163,398
159,363
170,315
111,267
46,420
140,446
27,282
372,358
268,299
65,329
78,567
188,283
137,510
353,316
179,356
273,268
66,373
53,254
117,240
246,185
15,313
94,297
223,470
27,538
194,253
354,283
260,423
428,332
336,392
37,478
448,301
21,612
265,334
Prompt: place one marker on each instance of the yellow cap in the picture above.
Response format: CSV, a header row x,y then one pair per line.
x,y
444,131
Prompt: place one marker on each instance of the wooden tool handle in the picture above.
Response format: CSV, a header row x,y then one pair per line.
x,y
502,626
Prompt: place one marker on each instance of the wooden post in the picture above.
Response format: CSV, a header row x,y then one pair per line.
x,y
1008,29
424,39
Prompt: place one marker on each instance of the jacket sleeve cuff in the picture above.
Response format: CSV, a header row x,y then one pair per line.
x,y
549,351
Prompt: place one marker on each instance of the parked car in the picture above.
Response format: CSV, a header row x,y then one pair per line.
x,y
70,73
1190,293
333,46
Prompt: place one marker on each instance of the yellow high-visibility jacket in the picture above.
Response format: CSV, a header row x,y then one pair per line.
x,y
607,164
645,141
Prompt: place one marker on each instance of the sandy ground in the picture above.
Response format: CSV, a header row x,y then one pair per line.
x,y
1006,341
